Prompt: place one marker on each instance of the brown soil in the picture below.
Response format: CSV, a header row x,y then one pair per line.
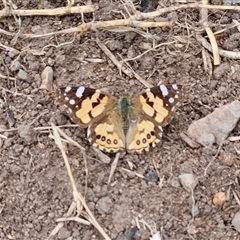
x,y
35,189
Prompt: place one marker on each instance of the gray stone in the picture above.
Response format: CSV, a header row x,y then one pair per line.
x,y
22,75
219,124
104,205
15,66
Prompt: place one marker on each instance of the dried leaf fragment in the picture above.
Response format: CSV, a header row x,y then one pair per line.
x,y
219,198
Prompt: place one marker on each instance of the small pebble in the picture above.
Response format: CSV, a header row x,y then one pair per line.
x,y
188,181
104,205
22,75
63,233
206,139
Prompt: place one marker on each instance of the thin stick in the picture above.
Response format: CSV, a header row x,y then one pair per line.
x,y
82,151
77,195
93,26
113,167
161,11
135,173
223,53
7,48
49,12
119,65
214,157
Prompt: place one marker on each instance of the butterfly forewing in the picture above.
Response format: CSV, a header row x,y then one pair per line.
x,y
160,102
84,104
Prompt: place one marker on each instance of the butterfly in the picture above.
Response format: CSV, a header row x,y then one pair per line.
x,y
115,124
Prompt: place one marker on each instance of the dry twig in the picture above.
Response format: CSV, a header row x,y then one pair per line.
x,y
223,53
119,65
5,12
78,198
161,11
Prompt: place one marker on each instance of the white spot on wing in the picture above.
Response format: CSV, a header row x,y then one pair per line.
x,y
67,99
80,91
171,100
174,86
164,90
67,89
72,101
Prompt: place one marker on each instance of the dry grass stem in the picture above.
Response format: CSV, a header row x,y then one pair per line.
x,y
149,50
236,197
155,165
78,197
229,26
58,141
213,159
93,26
5,12
113,167
76,219
7,48
211,36
128,22
207,62
222,53
61,224
215,49
135,173
70,140
128,72
2,136
161,11
6,77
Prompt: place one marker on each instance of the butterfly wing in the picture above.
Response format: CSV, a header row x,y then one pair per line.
x,y
107,134
152,110
94,109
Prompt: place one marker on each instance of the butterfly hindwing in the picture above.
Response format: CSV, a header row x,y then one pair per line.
x,y
142,135
108,134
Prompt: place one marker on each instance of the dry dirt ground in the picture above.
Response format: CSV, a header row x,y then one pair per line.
x,y
35,189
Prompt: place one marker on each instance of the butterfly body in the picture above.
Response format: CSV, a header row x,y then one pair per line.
x,y
124,106
131,124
